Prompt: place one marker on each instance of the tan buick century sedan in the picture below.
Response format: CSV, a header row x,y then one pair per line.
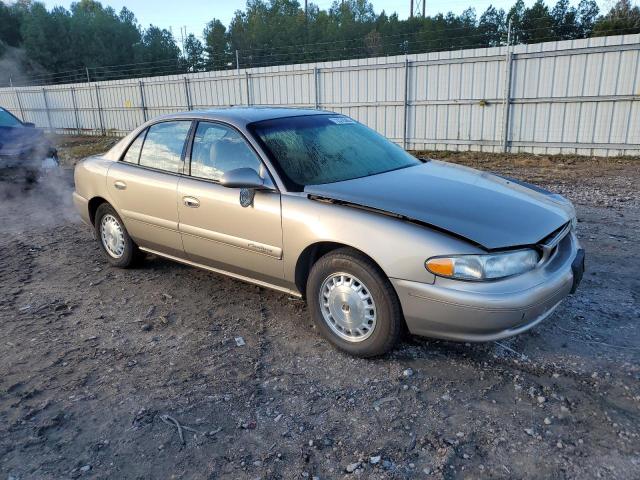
x,y
316,205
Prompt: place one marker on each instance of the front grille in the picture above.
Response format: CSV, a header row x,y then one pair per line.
x,y
549,245
557,235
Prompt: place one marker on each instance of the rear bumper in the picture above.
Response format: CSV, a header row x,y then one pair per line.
x,y
82,207
479,312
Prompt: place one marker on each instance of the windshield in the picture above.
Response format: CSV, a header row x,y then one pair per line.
x,y
316,149
8,120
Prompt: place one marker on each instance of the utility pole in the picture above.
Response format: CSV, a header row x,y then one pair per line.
x,y
86,69
411,10
237,62
424,8
306,20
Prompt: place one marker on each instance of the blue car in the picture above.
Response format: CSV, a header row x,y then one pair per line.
x,y
23,146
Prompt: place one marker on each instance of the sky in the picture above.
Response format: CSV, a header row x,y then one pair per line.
x,y
194,14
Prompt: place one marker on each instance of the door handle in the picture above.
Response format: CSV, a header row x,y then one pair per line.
x,y
191,202
120,185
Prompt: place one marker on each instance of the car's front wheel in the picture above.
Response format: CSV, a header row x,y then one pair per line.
x,y
353,304
114,239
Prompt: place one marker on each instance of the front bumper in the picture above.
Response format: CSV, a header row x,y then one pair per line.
x,y
486,311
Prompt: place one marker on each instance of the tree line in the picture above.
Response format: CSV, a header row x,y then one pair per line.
x,y
93,42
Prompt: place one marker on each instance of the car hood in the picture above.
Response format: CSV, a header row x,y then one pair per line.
x,y
491,211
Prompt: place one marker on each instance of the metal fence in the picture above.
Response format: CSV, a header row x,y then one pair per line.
x,y
576,96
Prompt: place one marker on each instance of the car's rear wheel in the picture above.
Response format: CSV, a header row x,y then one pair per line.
x,y
353,304
114,239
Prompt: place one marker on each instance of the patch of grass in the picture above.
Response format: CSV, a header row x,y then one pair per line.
x,y
73,148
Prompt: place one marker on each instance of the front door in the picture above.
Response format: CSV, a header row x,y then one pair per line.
x,y
144,186
216,229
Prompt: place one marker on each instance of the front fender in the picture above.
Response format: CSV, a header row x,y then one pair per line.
x,y
399,247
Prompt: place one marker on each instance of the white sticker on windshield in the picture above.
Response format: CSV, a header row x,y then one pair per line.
x,y
341,120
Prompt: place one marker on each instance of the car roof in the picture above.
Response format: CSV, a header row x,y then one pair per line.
x,y
239,117
242,116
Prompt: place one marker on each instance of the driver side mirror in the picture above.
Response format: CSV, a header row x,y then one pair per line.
x,y
242,178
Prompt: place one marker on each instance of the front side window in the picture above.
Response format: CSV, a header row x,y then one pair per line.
x,y
316,149
218,149
8,120
163,145
133,152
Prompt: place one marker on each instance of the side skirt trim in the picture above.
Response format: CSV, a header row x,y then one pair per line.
x,y
226,273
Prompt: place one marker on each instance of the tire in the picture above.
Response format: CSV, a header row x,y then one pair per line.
x,y
349,284
122,253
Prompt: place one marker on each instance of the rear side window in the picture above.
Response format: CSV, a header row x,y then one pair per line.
x,y
163,146
133,152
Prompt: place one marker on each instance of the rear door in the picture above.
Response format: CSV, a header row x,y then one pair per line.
x,y
144,186
216,229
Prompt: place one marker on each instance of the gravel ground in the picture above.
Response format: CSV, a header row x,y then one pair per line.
x,y
100,366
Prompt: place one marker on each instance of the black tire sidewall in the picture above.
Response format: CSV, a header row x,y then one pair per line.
x,y
128,257
389,318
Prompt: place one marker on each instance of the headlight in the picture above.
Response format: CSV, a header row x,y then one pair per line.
x,y
483,267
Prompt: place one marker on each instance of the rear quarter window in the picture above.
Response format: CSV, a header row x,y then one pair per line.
x,y
133,152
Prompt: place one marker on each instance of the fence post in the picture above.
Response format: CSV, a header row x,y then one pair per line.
x,y
142,102
20,106
75,109
246,81
187,94
46,106
100,110
316,86
507,102
506,107
406,103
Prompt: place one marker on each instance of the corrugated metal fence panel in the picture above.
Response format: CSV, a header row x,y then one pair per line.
x,y
293,89
222,91
60,105
9,100
121,107
574,96
456,103
564,98
373,95
33,105
162,98
87,109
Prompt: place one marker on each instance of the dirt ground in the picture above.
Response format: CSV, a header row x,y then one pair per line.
x,y
98,363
